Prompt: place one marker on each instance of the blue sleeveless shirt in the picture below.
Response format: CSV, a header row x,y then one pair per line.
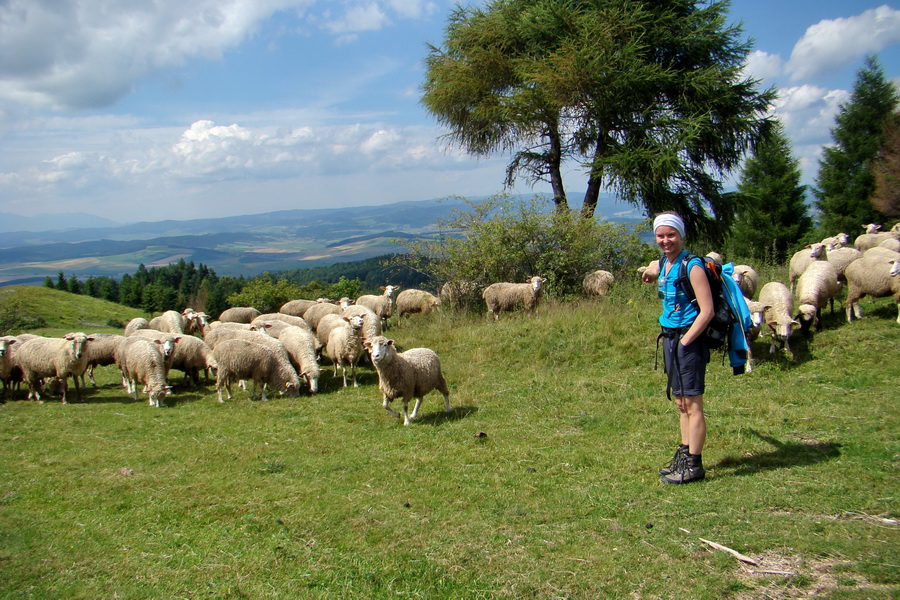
x,y
677,311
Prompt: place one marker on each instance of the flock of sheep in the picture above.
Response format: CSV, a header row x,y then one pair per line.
x,y
280,351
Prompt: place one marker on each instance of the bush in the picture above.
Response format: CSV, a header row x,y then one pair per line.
x,y
15,318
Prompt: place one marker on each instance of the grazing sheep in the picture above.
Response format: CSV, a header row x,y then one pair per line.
x,y
892,244
170,321
836,241
301,346
597,283
141,360
166,340
296,308
101,352
874,275
243,359
459,294
330,322
409,374
239,314
815,288
383,305
757,316
135,324
871,240
371,322
413,301
270,328
315,313
289,319
194,322
6,364
344,345
801,259
840,258
191,356
42,358
779,306
508,296
747,279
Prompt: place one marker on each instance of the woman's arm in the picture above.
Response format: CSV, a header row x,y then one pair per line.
x,y
704,299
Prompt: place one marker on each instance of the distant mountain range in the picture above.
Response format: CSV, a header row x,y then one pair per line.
x,y
243,245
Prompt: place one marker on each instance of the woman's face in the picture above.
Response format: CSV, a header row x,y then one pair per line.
x,y
668,239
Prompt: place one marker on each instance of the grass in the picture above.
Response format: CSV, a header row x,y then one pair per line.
x,y
541,483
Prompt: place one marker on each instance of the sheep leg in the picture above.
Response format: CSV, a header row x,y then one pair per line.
x,y
344,374
264,386
447,402
386,404
90,374
406,420
353,374
415,412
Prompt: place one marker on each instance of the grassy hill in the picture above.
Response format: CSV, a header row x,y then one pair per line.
x,y
541,483
60,312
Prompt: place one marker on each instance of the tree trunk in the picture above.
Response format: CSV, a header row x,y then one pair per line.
x,y
595,181
554,162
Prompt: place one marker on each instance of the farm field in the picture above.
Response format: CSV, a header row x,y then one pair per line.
x,y
541,483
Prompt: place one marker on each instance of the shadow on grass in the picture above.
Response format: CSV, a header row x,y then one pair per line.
x,y
784,456
439,417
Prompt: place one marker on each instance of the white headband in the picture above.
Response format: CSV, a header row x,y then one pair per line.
x,y
673,221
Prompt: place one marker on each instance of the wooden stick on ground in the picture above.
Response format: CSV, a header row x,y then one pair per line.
x,y
734,553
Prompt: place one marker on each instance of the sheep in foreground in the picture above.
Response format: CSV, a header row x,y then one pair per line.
x,y
42,358
141,361
344,346
101,352
192,355
239,314
779,303
747,279
170,321
301,346
382,305
296,308
509,296
315,313
597,283
406,375
330,322
413,302
289,319
371,322
802,259
872,275
816,287
135,324
840,258
243,359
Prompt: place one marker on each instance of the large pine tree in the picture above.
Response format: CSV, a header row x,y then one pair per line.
x,y
846,181
772,215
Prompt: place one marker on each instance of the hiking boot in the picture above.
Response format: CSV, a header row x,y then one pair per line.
x,y
676,461
691,469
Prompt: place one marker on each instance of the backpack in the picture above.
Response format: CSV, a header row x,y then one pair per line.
x,y
719,329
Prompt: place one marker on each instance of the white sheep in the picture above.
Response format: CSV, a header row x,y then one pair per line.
x,y
802,258
41,358
757,317
871,240
170,321
506,296
413,301
135,324
6,365
141,360
815,288
747,279
239,314
406,375
330,322
836,241
371,322
779,303
597,283
840,257
194,321
301,346
101,352
289,319
876,275
892,244
716,257
243,359
192,355
315,313
296,308
165,339
344,346
382,305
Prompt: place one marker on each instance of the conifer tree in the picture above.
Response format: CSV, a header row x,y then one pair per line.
x,y
772,215
846,182
886,199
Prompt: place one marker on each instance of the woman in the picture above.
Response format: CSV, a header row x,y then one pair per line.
x,y
685,353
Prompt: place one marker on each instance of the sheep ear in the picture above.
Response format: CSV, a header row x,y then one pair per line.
x,y
176,340
367,343
390,342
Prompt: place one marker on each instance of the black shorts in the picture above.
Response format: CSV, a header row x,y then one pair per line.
x,y
685,366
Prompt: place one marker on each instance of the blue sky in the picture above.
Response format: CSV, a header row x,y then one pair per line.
x,y
179,110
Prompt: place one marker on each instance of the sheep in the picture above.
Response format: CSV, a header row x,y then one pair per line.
x,y
192,355
101,352
330,322
289,319
779,306
597,283
757,316
141,360
801,259
382,305
508,296
344,346
881,252
239,314
300,345
840,258
815,288
194,322
836,241
872,227
871,240
409,374
6,363
296,308
874,275
413,301
371,322
42,358
243,359
458,294
315,313
716,257
166,340
135,324
892,244
170,322
747,279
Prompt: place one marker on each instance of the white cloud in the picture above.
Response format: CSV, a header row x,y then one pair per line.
x,y
368,17
762,65
834,43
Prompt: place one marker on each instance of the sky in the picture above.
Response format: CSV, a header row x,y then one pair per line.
x,y
174,109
